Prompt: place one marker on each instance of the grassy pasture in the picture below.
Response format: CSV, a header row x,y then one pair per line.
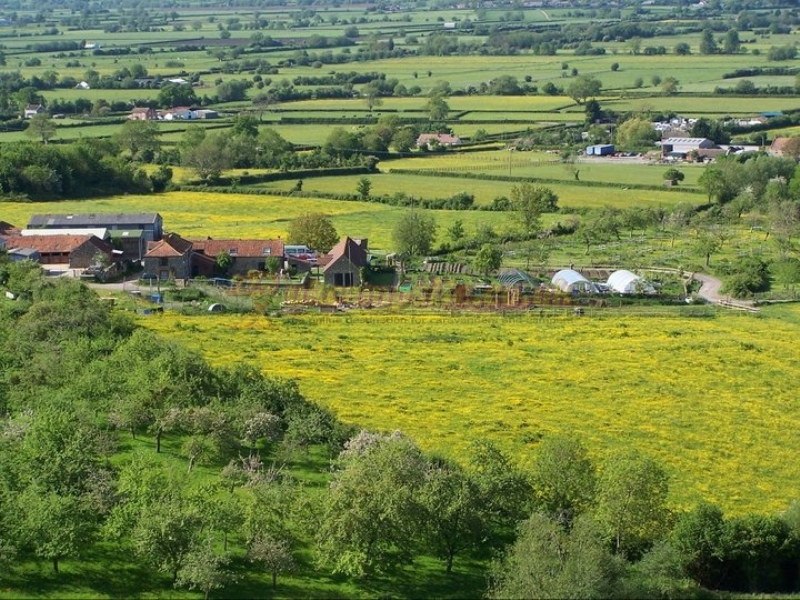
x,y
572,196
690,391
705,106
544,165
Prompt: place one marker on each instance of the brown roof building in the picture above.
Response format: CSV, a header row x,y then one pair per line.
x,y
344,262
169,258
246,255
79,251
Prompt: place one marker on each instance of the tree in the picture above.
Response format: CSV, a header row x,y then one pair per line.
x,y
670,86
505,490
674,176
631,502
453,511
456,230
223,261
208,158
437,108
615,66
655,80
204,569
139,137
55,526
273,555
563,479
174,94
682,49
706,245
404,139
708,45
731,44
583,87
370,518
363,187
593,111
698,537
546,561
487,259
41,127
414,233
529,202
372,94
314,230
636,133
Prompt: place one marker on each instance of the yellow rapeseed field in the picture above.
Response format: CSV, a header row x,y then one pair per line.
x,y
714,398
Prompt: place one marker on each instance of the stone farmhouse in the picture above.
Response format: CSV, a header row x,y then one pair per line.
x,y
341,267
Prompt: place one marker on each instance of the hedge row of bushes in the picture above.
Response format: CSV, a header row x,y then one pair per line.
x,y
487,177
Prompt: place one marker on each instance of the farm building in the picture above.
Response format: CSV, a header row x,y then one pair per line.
x,y
600,150
344,262
626,282
150,223
572,282
79,251
683,146
32,110
143,113
246,255
169,258
442,139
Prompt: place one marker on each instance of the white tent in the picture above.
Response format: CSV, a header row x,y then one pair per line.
x,y
572,282
625,282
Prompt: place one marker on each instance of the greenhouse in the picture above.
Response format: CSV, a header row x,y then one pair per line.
x,y
625,282
516,278
572,282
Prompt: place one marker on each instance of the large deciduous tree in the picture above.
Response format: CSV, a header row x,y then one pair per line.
x,y
631,502
584,87
371,519
139,138
414,233
41,127
547,561
563,478
314,230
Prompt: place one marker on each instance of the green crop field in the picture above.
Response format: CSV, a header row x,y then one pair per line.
x,y
706,396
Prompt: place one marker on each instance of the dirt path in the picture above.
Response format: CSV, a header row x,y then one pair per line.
x,y
709,291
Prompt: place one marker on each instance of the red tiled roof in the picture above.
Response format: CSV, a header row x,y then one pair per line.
x,y
57,244
240,248
171,245
349,248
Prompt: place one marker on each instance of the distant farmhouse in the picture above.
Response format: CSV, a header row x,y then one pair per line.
x,y
32,110
143,113
429,140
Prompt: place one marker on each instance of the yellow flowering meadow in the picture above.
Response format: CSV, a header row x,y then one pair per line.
x,y
714,398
